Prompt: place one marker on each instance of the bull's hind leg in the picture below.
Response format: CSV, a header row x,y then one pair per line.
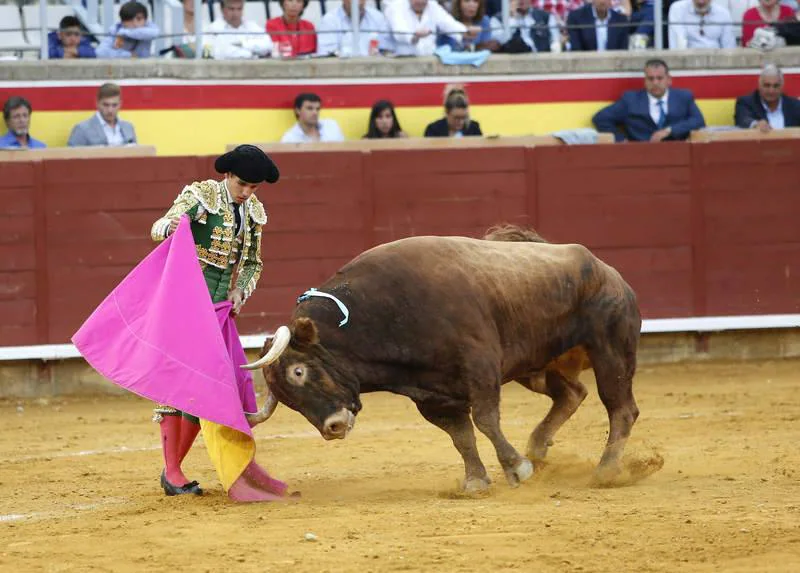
x,y
567,393
486,415
614,372
459,426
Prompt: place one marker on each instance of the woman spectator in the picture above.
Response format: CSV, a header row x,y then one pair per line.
x,y
292,36
768,12
471,13
383,123
456,122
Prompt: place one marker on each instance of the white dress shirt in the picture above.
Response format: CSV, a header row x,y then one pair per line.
x,y
601,30
229,43
334,34
775,118
655,110
403,22
692,30
328,131
113,134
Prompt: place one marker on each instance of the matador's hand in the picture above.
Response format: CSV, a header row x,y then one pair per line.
x,y
236,296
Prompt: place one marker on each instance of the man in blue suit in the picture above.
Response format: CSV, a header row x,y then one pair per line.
x,y
656,113
595,28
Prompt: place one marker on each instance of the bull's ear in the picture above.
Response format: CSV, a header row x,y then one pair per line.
x,y
305,332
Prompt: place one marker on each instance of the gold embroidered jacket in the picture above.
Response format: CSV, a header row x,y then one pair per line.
x,y
222,255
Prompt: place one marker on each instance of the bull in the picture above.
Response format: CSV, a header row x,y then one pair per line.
x,y
446,321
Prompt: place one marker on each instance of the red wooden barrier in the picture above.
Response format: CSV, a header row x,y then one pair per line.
x,y
697,229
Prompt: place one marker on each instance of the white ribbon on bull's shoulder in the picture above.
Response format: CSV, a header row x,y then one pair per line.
x,y
314,292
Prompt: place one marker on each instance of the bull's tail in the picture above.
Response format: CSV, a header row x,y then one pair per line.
x,y
513,233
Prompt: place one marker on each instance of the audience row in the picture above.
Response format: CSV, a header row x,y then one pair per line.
x,y
420,27
658,112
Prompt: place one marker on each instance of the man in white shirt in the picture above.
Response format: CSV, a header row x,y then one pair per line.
x,y
335,33
309,127
415,24
235,38
700,24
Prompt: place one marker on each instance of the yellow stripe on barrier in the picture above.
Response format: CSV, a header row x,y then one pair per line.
x,y
208,131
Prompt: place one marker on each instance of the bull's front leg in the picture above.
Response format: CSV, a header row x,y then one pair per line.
x,y
459,426
486,414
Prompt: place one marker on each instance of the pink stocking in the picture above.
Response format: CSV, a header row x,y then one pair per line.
x,y
170,444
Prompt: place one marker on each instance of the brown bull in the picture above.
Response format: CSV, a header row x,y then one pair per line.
x,y
447,321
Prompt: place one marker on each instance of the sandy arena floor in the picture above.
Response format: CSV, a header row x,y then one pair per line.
x,y
79,488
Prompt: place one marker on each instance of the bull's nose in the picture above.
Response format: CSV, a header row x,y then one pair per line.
x,y
338,425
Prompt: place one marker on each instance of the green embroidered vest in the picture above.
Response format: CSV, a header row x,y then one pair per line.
x,y
223,256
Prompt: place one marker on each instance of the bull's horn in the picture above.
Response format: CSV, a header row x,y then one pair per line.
x,y
279,344
264,413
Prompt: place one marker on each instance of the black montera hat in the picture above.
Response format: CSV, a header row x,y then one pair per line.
x,y
248,163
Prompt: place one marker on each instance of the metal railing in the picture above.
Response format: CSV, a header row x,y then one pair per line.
x,y
175,24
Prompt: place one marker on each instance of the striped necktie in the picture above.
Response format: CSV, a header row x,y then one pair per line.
x,y
662,114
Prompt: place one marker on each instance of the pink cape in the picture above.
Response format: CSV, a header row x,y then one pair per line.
x,y
158,335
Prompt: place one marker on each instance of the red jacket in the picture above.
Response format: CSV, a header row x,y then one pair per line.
x,y
301,43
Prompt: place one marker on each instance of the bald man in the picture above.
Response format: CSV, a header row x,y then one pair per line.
x,y
768,107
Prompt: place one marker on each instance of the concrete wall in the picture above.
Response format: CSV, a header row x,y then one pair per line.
x,y
303,70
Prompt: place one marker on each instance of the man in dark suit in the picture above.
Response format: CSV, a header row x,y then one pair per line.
x,y
596,28
656,113
767,108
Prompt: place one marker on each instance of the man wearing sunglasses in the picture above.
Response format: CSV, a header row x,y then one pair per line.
x,y
68,42
700,24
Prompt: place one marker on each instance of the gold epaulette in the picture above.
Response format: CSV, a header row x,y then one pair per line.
x,y
257,212
209,193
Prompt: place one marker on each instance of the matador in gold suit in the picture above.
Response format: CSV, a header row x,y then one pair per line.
x,y
226,223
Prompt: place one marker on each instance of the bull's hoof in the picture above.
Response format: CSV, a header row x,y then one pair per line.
x,y
606,475
537,448
476,485
521,472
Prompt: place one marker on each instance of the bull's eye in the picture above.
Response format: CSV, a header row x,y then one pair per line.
x,y
296,374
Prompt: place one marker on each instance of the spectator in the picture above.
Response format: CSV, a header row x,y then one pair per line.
x,y
471,13
767,12
17,113
656,113
529,30
336,32
104,127
415,23
558,8
700,24
309,127
233,38
456,122
292,36
642,22
132,36
68,42
768,107
383,123
597,28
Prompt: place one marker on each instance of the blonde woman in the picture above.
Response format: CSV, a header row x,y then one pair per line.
x,y
456,122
